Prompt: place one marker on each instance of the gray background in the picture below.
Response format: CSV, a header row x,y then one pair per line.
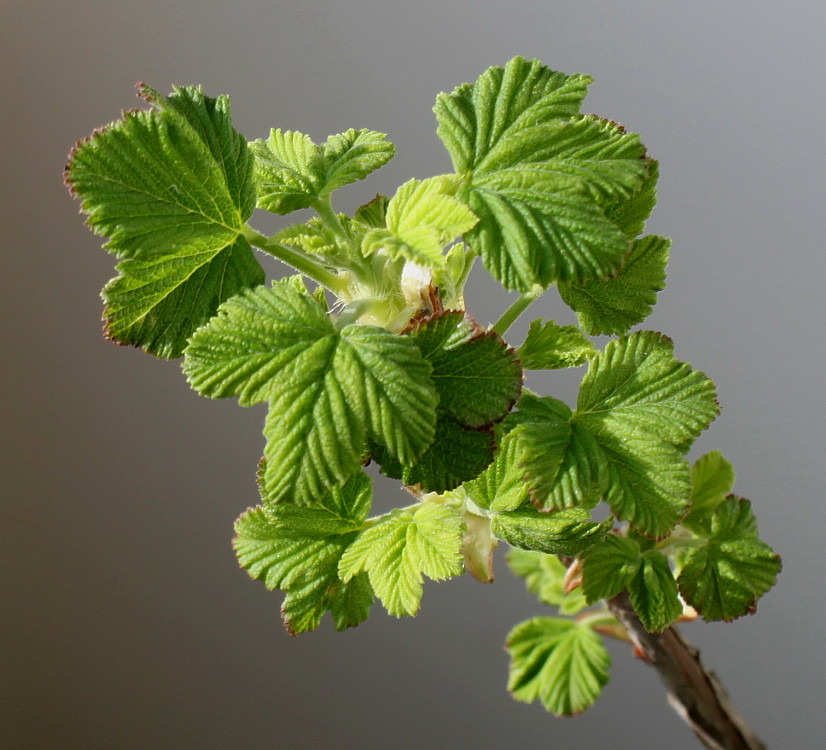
x,y
125,621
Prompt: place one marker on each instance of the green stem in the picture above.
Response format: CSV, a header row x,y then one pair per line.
x,y
519,305
324,209
298,260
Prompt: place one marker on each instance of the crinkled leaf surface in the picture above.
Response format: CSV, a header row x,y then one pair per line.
x,y
638,385
609,566
562,463
401,548
298,550
171,187
723,579
292,172
653,592
566,532
477,375
549,346
561,663
501,486
422,217
456,455
545,578
328,390
712,478
536,174
629,214
616,304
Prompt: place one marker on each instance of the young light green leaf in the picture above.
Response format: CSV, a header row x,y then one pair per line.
x,y
653,592
561,663
292,172
501,486
316,238
552,347
328,390
477,375
723,579
545,578
712,480
638,386
456,455
402,547
422,217
562,463
171,187
373,215
292,553
614,305
566,532
609,566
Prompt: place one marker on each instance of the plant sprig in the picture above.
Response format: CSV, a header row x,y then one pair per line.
x,y
394,370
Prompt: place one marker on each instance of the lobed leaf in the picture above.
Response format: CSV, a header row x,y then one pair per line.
x,y
299,552
723,579
171,187
292,172
422,217
636,385
561,663
402,547
328,391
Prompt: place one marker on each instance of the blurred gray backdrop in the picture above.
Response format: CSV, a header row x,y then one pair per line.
x,y
126,623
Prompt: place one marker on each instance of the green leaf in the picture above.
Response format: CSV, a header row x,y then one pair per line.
x,y
552,347
501,486
171,187
562,463
609,566
630,214
316,238
292,172
530,232
648,481
723,579
536,174
299,552
422,217
545,578
636,385
561,663
477,376
475,118
712,480
456,455
653,592
566,532
614,305
401,548
329,391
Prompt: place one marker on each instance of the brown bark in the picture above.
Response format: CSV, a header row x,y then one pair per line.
x,y
694,691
